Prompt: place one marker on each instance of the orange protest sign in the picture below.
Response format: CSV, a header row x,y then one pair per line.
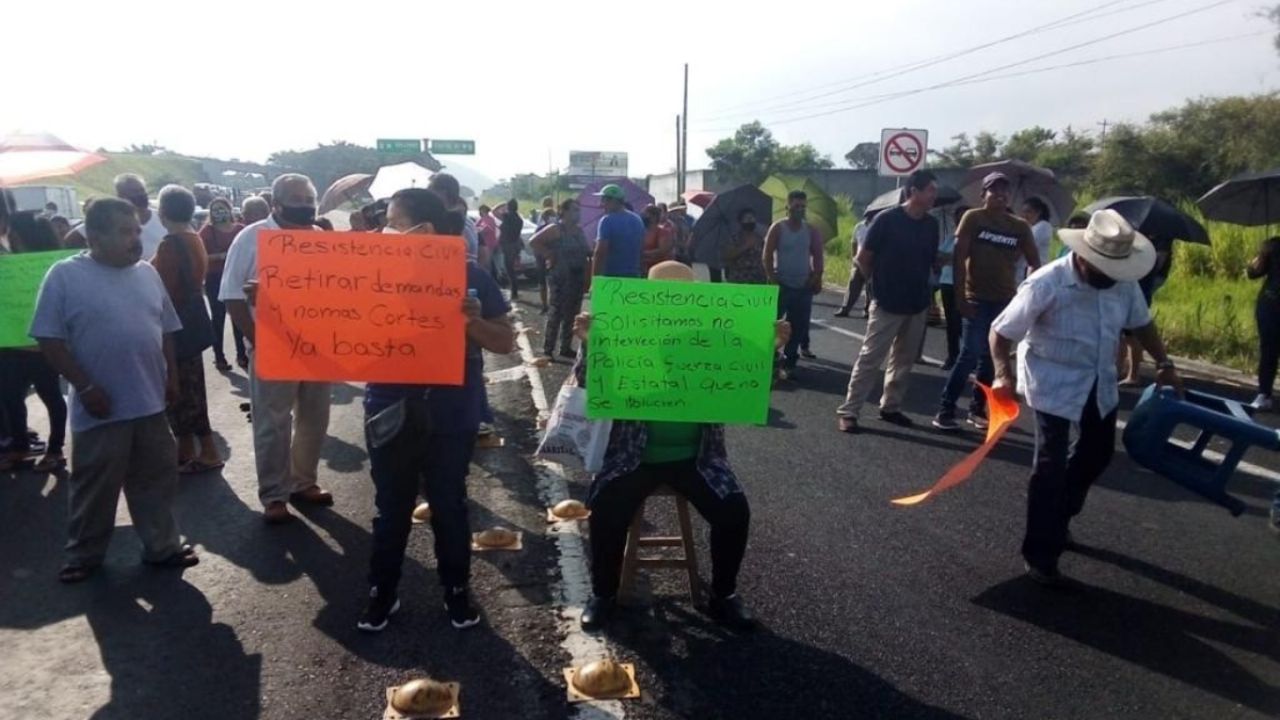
x,y
360,306
1001,415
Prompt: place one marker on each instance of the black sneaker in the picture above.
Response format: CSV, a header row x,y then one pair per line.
x,y
979,420
378,613
1048,577
945,421
897,418
732,613
462,614
597,614
569,353
808,354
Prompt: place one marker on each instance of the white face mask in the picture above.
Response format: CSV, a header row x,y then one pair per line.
x,y
388,230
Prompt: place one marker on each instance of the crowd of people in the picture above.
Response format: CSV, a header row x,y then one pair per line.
x,y
127,323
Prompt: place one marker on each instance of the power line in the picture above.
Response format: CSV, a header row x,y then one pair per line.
x,y
857,103
896,71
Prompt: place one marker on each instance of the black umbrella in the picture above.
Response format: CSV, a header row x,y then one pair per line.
x,y
1154,218
1248,199
718,224
947,195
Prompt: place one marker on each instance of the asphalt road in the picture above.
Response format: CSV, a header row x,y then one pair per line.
x,y
871,610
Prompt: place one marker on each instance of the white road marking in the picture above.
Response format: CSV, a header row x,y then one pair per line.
x,y
574,588
1257,471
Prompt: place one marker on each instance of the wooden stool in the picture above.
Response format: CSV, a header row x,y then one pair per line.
x,y
632,560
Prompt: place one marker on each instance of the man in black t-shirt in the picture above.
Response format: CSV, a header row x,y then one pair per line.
x,y
901,247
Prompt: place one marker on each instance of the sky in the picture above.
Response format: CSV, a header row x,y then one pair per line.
x,y
528,82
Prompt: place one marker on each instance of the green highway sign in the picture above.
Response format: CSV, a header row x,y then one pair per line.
x,y
399,147
453,147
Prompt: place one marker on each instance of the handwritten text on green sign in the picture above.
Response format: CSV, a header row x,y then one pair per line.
x,y
681,352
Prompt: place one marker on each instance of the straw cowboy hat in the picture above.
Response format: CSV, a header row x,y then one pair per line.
x,y
1111,245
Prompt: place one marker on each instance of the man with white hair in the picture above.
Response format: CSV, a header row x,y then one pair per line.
x,y
255,209
133,190
288,463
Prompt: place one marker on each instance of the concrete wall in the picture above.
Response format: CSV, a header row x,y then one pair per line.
x,y
863,186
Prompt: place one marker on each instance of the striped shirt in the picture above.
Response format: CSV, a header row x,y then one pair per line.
x,y
1069,332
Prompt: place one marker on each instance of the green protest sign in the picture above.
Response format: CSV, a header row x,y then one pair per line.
x,y
20,277
682,352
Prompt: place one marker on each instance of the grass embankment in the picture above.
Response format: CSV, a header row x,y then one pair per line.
x,y
1204,311
157,170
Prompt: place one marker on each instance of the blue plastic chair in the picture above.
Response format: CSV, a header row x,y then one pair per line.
x,y
1148,437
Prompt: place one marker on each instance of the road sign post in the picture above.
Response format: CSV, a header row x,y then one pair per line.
x,y
453,147
388,146
902,151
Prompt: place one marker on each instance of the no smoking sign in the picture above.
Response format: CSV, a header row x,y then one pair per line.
x,y
902,152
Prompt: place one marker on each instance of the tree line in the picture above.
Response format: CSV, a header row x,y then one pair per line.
x,y
1176,154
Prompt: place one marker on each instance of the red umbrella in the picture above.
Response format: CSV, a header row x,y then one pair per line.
x,y
701,198
353,187
26,157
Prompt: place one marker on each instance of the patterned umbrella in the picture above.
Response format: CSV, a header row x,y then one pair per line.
x,y
27,157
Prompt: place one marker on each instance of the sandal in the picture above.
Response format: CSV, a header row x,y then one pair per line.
x,y
195,466
51,462
74,573
185,557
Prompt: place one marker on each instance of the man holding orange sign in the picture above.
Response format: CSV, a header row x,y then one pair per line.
x,y
1067,318
290,418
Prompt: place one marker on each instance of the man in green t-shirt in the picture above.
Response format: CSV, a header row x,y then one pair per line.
x,y
989,242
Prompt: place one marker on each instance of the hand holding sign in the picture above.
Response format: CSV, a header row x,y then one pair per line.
x,y
361,306
679,351
1002,410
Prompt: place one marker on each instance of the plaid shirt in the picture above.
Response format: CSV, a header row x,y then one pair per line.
x,y
628,439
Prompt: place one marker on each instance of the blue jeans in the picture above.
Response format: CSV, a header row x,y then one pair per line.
x,y
975,352
437,464
795,305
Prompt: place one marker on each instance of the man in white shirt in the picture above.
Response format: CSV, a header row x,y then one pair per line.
x,y
133,190
288,463
1067,318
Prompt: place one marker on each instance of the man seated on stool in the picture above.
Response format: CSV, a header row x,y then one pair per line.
x,y
1069,315
692,460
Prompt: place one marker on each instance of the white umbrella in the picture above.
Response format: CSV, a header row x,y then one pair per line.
x,y
392,178
26,157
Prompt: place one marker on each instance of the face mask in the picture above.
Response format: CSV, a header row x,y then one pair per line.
x,y
140,202
298,215
220,215
1097,279
748,226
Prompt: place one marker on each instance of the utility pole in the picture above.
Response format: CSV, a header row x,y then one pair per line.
x,y
1104,131
679,162
684,133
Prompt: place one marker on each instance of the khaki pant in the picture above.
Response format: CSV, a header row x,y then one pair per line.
x,y
888,334
139,456
290,420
